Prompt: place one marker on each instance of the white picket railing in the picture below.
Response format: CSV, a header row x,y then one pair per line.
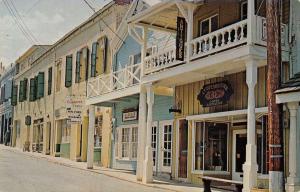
x,y
160,60
219,40
122,79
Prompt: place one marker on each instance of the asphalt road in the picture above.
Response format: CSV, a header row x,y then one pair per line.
x,y
22,173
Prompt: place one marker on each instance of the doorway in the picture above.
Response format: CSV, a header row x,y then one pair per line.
x,y
238,153
183,148
166,147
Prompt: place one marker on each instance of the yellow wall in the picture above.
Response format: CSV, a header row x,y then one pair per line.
x,y
106,138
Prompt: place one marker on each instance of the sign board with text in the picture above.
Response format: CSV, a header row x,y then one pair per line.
x,y
74,107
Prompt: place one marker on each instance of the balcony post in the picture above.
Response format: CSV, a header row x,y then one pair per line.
x,y
141,133
250,166
144,50
148,163
91,131
190,30
251,28
293,180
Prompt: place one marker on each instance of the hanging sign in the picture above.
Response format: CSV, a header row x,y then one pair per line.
x,y
180,38
130,115
74,108
215,94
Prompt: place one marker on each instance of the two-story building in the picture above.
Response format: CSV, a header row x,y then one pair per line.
x,y
217,68
50,111
6,112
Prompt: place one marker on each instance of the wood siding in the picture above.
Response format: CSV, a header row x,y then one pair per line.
x,y
186,95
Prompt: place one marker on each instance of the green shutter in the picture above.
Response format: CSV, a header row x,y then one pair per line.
x,y
105,55
14,95
78,65
94,59
40,85
25,83
49,81
21,91
68,74
36,86
32,95
87,64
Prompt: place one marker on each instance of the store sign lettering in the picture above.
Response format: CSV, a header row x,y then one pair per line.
x,y
215,94
130,115
180,38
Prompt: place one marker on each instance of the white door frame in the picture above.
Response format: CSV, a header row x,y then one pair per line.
x,y
155,123
161,145
234,133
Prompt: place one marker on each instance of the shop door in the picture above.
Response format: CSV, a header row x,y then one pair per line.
x,y
166,146
154,144
239,154
183,149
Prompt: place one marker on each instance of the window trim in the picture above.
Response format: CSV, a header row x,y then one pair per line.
x,y
118,144
205,19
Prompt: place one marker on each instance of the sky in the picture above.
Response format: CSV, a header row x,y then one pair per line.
x,y
48,20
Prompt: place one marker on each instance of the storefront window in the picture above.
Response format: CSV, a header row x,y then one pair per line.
x,y
98,131
210,146
127,142
66,131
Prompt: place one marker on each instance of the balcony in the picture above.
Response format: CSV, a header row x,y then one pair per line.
x,y
221,40
104,87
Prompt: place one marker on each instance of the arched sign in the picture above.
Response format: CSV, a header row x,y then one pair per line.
x,y
215,94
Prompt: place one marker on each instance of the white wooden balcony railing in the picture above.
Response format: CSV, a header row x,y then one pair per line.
x,y
118,80
220,40
161,60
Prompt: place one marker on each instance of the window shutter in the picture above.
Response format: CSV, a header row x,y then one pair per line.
x,y
32,94
40,85
105,54
36,87
86,60
21,91
25,83
14,95
94,59
68,74
49,81
78,65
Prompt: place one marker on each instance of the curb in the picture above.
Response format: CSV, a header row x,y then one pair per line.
x,y
85,169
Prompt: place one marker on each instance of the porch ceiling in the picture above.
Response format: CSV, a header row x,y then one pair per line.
x,y
163,15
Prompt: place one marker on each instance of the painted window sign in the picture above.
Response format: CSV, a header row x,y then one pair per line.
x,y
74,108
130,115
215,94
180,38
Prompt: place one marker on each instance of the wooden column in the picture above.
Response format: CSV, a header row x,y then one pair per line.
x,y
91,131
275,131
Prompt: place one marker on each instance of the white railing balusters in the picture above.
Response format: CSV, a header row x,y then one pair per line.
x,y
122,79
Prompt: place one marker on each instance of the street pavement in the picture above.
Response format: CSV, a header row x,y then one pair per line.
x,y
23,173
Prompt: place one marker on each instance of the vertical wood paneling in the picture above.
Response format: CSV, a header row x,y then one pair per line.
x,y
187,94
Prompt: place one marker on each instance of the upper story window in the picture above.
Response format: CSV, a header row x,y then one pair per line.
x,y
58,76
17,68
82,60
209,25
99,57
68,72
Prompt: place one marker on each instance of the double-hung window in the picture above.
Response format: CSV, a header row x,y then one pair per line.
x,y
209,25
127,142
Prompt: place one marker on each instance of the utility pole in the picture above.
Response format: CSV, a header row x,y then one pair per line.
x,y
275,130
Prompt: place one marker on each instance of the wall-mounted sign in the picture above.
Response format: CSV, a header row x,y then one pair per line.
x,y
180,38
74,108
28,120
215,94
130,114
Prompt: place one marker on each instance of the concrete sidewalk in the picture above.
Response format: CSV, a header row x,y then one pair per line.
x,y
118,174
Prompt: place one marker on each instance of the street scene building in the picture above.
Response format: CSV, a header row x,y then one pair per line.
x,y
167,90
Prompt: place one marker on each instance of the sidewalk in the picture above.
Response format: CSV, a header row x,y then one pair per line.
x,y
118,174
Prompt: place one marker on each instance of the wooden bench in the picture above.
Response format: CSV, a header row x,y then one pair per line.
x,y
207,181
